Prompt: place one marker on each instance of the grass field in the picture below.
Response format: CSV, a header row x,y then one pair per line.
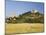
x,y
24,28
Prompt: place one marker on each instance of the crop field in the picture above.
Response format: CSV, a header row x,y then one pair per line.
x,y
24,28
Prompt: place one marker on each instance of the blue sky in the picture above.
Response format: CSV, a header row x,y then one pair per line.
x,y
15,8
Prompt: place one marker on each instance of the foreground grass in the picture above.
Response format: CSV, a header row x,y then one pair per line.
x,y
24,28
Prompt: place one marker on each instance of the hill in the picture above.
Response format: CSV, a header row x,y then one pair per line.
x,y
28,17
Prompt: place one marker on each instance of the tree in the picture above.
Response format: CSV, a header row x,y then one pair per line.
x,y
37,13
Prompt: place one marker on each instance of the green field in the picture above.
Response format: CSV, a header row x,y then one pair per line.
x,y
24,28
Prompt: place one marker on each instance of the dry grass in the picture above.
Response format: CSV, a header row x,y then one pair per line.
x,y
24,28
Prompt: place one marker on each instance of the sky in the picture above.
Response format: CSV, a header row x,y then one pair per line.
x,y
15,8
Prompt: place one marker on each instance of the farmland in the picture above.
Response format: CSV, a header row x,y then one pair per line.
x,y
24,28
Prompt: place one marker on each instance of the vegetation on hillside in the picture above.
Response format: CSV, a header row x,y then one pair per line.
x,y
27,17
